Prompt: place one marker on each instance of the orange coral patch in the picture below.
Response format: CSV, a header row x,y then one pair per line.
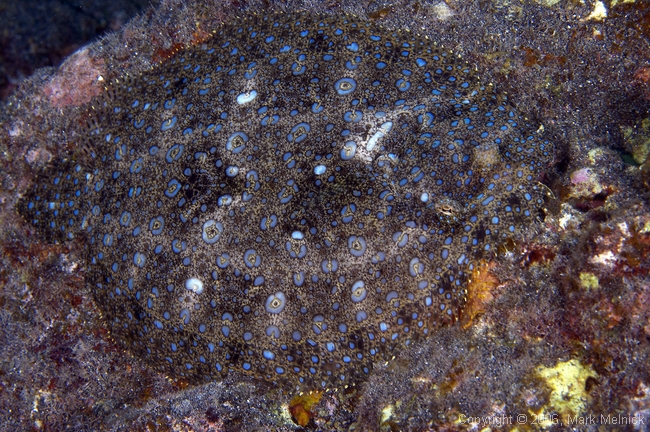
x,y
479,292
300,407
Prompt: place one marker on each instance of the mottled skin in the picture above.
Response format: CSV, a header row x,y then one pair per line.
x,y
295,199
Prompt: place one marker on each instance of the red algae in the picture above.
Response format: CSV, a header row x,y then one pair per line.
x,y
80,78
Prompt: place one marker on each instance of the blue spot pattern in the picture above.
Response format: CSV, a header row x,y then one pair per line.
x,y
295,199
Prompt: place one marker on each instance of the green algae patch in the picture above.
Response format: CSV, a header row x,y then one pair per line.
x,y
645,229
636,140
594,155
547,3
599,12
387,413
386,422
588,281
615,2
567,382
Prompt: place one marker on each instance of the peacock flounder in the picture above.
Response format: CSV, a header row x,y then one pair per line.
x,y
295,199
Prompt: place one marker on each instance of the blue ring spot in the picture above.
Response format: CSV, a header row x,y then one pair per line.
x,y
139,259
353,116
357,245
172,188
212,231
136,166
223,260
252,258
345,86
168,124
348,151
403,85
359,291
299,133
275,303
125,219
232,171
236,142
224,200
298,68
174,153
156,225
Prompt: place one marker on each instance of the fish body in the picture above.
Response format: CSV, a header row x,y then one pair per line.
x,y
296,199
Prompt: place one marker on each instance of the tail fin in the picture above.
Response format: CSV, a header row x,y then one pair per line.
x,y
56,205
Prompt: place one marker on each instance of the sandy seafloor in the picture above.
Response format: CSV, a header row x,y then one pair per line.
x,y
557,336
